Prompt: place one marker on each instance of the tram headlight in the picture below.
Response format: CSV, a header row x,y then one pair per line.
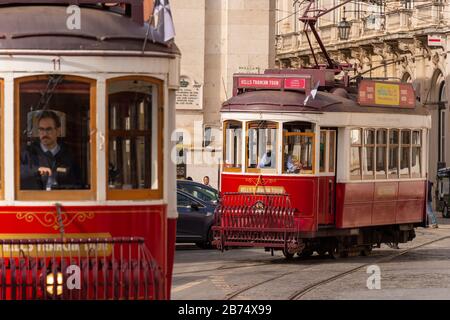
x,y
50,283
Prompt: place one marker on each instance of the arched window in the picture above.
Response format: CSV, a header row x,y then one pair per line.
x,y
406,78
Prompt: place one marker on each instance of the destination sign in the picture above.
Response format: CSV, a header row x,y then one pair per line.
x,y
386,94
263,82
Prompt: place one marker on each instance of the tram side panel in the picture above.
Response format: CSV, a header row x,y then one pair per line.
x,y
379,203
91,222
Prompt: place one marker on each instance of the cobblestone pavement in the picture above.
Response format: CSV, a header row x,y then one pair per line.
x,y
423,273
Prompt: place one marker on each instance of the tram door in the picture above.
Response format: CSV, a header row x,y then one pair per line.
x,y
327,177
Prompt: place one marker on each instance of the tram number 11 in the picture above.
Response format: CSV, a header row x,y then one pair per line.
x,y
56,64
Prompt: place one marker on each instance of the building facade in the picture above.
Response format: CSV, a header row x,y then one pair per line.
x,y
217,38
393,40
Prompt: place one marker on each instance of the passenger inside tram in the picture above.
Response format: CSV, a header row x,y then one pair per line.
x,y
298,147
293,164
266,160
47,164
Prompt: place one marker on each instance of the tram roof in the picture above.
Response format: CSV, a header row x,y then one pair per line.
x,y
275,101
43,26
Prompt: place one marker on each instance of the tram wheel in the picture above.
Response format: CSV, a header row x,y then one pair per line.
x,y
306,253
337,253
321,252
288,255
366,251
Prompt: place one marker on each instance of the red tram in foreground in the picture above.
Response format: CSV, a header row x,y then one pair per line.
x,y
336,171
102,224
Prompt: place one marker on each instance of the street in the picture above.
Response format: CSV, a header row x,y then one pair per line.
x,y
417,270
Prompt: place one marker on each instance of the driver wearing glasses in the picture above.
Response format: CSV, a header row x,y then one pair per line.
x,y
47,164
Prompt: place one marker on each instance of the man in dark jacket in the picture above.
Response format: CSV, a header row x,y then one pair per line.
x,y
47,164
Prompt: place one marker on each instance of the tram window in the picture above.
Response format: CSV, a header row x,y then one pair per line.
x,y
133,135
327,151
355,154
405,151
298,153
381,153
54,141
233,145
262,145
369,153
323,151
298,147
331,159
393,153
416,154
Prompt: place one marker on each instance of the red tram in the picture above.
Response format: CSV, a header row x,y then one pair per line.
x,y
335,171
99,222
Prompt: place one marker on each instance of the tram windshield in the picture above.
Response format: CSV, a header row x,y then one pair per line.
x,y
298,147
54,121
262,145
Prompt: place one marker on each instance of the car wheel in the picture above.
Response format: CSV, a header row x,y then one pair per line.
x,y
208,243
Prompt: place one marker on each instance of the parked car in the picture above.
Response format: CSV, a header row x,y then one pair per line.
x,y
199,190
195,219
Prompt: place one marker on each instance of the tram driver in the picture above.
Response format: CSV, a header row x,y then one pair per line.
x,y
47,164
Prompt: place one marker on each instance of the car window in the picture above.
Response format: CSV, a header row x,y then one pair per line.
x,y
186,202
201,193
183,201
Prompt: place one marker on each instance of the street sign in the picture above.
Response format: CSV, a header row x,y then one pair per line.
x,y
435,41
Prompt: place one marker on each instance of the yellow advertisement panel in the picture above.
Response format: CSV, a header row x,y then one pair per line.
x,y
50,249
387,94
261,189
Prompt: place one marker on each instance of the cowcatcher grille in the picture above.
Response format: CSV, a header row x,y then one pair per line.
x,y
78,269
255,220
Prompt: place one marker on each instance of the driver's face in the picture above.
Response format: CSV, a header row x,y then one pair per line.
x,y
48,133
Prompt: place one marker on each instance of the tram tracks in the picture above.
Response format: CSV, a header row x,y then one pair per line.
x,y
224,268
309,288
299,294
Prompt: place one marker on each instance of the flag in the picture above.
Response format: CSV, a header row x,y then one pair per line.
x,y
163,29
312,93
